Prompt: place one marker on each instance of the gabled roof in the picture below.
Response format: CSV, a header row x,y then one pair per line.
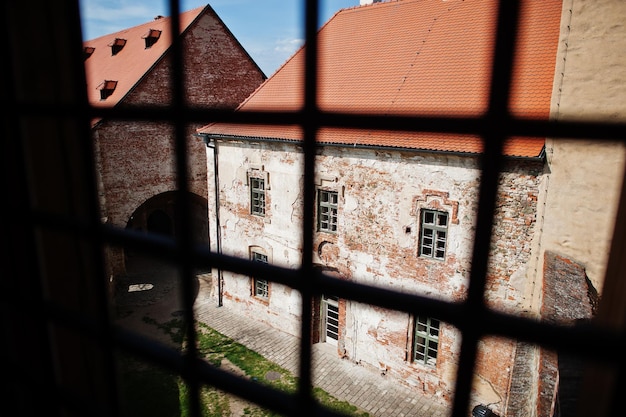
x,y
425,57
123,58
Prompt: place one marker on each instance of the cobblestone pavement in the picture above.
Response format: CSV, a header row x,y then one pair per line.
x,y
341,378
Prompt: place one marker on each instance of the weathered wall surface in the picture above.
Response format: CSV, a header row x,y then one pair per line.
x,y
568,298
585,177
579,193
278,234
135,160
567,294
136,164
523,388
566,208
380,198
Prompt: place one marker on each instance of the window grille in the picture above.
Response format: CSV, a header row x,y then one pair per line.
x,y
327,211
50,308
260,285
426,340
433,234
257,196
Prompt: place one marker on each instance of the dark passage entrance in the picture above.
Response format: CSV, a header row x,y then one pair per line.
x,y
157,215
159,222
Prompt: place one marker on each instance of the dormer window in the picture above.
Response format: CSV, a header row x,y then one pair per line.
x,y
87,51
107,88
117,45
152,37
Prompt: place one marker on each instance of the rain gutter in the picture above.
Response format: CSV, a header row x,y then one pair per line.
x,y
207,137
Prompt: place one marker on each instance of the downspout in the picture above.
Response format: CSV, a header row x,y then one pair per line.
x,y
212,143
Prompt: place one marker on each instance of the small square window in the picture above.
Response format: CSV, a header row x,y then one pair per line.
x,y
152,37
107,88
117,45
433,234
88,51
257,196
327,202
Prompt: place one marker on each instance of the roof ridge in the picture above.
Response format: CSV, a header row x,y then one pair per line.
x,y
157,18
127,55
366,53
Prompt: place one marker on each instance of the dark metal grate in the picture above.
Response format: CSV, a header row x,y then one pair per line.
x,y
74,226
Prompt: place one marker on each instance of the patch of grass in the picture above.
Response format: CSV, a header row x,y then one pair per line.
x,y
216,346
342,407
213,402
146,390
150,391
259,412
175,328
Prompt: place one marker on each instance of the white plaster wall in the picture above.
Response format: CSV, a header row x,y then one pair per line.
x,y
213,285
379,339
585,177
278,233
280,228
377,244
380,195
379,192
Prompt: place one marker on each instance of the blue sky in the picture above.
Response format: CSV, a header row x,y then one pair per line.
x,y
270,30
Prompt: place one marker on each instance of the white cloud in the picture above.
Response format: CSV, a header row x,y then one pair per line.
x,y
288,46
102,17
268,29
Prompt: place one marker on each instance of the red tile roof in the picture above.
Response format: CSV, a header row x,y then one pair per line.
x,y
132,62
425,57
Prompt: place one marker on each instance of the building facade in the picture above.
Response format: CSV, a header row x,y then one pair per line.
x,y
131,68
395,219
394,209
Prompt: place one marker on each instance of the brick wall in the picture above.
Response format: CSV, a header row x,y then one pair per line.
x,y
380,198
523,388
568,298
566,290
135,160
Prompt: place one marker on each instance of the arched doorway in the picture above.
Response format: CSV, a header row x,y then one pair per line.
x,y
157,215
159,222
149,278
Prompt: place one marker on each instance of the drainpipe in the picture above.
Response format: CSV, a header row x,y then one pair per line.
x,y
212,143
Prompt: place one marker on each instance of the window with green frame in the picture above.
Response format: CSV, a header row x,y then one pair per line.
x,y
327,203
433,234
426,340
261,286
257,196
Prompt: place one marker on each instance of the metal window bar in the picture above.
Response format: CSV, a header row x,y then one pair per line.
x,y
327,211
73,225
260,285
426,340
331,317
260,288
433,234
257,196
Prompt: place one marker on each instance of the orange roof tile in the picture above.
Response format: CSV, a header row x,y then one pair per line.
x,y
132,62
425,57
